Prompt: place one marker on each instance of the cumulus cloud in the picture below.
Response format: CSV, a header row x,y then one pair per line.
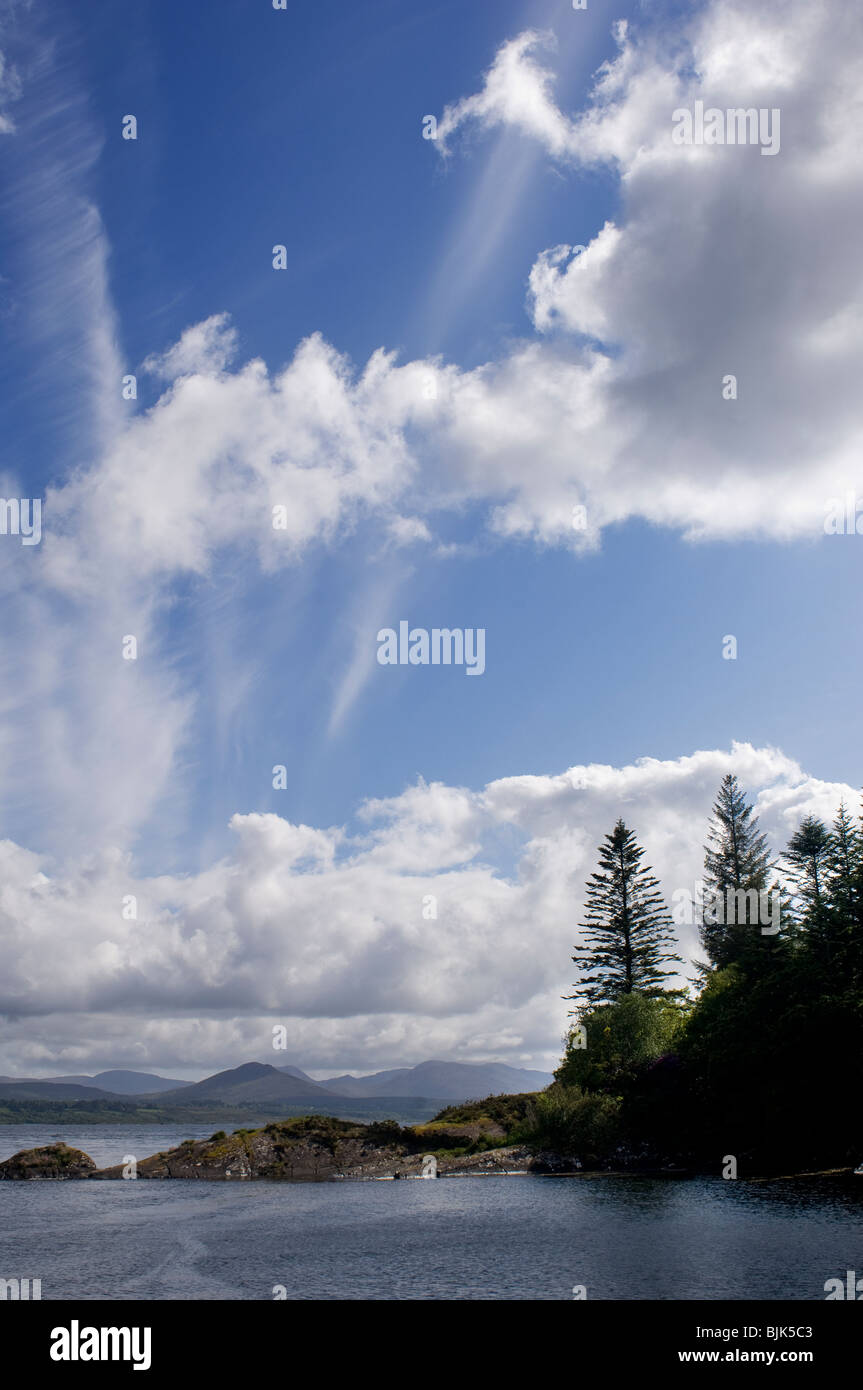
x,y
272,462
206,349
719,262
517,91
324,929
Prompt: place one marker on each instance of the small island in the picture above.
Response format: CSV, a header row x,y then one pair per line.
x,y
312,1149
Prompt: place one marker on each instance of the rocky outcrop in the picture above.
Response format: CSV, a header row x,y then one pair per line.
x,y
54,1163
514,1158
301,1150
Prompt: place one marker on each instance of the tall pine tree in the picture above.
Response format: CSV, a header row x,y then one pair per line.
x,y
808,856
627,929
736,871
845,867
835,934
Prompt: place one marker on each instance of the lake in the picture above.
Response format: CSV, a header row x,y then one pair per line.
x,y
457,1238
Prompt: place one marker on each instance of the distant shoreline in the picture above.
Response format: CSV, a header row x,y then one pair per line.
x,y
362,1110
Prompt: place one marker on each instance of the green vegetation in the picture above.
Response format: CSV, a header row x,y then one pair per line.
x,y
614,1042
453,1140
765,1062
505,1111
627,927
736,861
322,1130
566,1120
87,1112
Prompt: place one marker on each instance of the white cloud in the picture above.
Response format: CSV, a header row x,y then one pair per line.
x,y
719,262
206,466
407,530
517,91
323,929
204,349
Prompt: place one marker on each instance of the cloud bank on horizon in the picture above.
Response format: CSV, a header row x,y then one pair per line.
x,y
400,938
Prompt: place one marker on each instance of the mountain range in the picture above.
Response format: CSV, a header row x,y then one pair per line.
x,y
260,1082
442,1081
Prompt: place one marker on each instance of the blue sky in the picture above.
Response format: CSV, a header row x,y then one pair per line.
x,y
555,381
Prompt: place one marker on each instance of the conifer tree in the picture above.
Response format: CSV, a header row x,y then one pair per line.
x,y
809,855
845,867
627,929
736,872
835,935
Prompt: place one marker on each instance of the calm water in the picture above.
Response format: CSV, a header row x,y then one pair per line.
x,y
457,1238
109,1144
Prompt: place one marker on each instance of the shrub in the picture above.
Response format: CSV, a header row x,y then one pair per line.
x,y
504,1110
385,1132
571,1121
622,1040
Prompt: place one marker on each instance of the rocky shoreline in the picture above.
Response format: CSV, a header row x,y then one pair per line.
x,y
305,1150
332,1151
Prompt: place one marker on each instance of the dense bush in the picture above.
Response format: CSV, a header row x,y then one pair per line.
x,y
568,1120
618,1041
502,1110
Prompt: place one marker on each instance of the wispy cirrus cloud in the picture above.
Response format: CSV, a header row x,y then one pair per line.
x,y
10,88
64,318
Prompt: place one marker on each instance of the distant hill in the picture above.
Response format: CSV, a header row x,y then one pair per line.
x,y
454,1081
50,1090
134,1083
255,1082
295,1071
349,1085
125,1083
118,1083
53,1080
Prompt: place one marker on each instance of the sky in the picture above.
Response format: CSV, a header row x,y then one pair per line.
x,y
484,385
